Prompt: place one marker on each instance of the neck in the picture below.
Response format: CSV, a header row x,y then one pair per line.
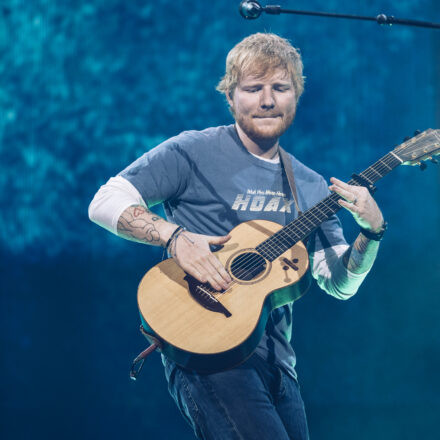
x,y
264,148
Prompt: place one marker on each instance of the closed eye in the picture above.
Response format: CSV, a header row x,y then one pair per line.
x,y
252,89
282,88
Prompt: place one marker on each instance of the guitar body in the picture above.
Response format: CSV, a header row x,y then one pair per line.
x,y
206,330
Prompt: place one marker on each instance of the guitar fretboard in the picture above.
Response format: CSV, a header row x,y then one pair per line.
x,y
310,220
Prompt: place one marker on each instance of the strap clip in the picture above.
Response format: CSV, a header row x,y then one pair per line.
x,y
138,361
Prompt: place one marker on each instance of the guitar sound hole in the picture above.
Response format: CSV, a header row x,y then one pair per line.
x,y
247,266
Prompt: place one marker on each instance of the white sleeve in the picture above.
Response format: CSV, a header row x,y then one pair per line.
x,y
331,274
111,200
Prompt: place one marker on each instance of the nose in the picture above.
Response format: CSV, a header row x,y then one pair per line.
x,y
267,98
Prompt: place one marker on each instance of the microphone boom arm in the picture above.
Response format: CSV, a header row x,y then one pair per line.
x,y
252,10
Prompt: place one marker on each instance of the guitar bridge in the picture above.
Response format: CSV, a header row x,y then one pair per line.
x,y
203,295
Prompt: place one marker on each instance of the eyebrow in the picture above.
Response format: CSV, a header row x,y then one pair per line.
x,y
256,82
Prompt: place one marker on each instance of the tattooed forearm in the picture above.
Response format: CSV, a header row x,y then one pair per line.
x,y
360,256
138,223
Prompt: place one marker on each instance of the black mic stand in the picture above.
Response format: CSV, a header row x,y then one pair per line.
x,y
252,10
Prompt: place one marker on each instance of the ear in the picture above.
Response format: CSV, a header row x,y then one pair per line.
x,y
229,99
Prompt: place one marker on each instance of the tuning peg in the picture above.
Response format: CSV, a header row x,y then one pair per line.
x,y
417,132
433,160
423,166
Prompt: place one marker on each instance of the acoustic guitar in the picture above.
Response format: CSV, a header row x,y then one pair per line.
x,y
206,330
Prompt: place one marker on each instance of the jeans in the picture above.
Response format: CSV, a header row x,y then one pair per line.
x,y
254,401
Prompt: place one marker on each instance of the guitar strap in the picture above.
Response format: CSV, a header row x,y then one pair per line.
x,y
138,361
286,163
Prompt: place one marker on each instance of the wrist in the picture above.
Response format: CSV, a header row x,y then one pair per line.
x,y
376,234
173,235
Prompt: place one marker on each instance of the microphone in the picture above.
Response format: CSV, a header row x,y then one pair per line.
x,y
250,9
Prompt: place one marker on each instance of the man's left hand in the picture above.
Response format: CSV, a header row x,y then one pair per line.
x,y
358,200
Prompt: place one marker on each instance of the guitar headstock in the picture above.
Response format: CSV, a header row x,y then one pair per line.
x,y
420,147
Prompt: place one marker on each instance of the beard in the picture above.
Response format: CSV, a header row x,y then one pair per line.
x,y
264,132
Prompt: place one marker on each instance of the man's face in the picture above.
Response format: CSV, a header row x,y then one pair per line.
x,y
264,107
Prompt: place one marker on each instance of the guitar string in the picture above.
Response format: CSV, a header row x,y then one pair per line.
x,y
380,165
244,261
250,258
380,168
323,207
368,174
256,256
274,238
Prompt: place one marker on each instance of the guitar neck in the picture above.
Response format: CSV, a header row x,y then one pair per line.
x,y
300,228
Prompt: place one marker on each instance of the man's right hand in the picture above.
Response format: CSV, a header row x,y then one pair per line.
x,y
192,253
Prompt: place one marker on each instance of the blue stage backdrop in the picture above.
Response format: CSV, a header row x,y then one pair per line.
x,y
85,88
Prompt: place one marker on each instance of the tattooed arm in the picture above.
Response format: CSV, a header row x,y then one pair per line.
x,y
357,200
119,208
341,269
190,251
360,256
138,223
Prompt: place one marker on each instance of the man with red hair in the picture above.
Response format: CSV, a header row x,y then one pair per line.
x,y
210,181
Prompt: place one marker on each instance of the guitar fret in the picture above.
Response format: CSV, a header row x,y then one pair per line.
x,y
302,219
311,213
290,239
317,208
275,240
271,249
381,161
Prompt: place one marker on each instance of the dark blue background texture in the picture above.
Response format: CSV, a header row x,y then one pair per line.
x,y
85,88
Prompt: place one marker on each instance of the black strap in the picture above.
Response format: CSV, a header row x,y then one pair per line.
x,y
375,236
286,163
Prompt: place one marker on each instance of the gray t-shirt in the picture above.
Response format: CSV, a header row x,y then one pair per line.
x,y
209,183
